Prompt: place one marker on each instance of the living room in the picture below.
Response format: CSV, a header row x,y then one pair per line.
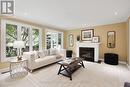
x,y
39,36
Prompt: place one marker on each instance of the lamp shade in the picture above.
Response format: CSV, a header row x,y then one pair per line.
x,y
18,44
10,44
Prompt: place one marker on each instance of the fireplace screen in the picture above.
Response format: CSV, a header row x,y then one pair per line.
x,y
86,53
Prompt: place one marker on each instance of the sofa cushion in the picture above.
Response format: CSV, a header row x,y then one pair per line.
x,y
46,58
58,56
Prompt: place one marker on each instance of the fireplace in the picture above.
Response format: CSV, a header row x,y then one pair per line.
x,y
86,53
91,53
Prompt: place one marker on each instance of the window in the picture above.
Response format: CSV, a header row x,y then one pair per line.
x,y
48,40
11,36
12,31
54,39
60,38
35,39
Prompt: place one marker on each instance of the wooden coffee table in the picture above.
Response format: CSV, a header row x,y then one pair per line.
x,y
68,66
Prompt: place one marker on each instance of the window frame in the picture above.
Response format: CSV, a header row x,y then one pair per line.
x,y
19,25
53,31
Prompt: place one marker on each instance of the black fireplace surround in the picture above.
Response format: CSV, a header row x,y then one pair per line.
x,y
86,53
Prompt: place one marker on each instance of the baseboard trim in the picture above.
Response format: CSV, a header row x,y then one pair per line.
x,y
4,70
122,62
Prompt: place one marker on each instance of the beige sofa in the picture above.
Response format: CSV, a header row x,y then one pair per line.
x,y
37,59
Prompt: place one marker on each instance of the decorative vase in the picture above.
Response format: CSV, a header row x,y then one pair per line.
x,y
78,38
19,58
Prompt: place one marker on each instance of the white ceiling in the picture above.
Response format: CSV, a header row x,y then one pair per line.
x,y
70,14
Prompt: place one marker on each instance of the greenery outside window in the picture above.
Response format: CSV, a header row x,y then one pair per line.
x,y
48,40
11,36
35,39
12,31
25,38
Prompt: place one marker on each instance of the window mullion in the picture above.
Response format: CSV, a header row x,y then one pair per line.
x,y
19,32
40,39
30,39
62,40
57,40
51,40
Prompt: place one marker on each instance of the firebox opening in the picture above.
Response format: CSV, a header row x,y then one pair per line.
x,y
86,53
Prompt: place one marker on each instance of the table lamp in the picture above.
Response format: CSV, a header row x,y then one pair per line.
x,y
19,45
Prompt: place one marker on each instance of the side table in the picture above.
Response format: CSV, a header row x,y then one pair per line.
x,y
18,67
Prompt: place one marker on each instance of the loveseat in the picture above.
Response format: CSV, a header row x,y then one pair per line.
x,y
37,59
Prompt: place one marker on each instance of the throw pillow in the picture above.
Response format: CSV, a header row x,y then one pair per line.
x,y
58,56
35,53
41,54
53,51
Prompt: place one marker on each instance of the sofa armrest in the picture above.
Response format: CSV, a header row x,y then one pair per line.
x,y
29,56
62,53
31,59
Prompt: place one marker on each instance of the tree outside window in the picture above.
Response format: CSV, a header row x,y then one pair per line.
x,y
11,36
35,38
25,38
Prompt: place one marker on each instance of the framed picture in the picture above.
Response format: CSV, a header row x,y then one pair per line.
x,y
86,35
111,39
95,39
71,40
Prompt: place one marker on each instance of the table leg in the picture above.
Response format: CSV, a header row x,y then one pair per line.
x,y
70,73
60,69
70,77
82,64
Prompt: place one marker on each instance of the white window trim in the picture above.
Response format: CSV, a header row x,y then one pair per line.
x,y
3,37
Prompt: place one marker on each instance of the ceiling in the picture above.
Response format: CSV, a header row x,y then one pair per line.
x,y
71,14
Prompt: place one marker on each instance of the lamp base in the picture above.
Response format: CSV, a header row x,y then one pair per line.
x,y
19,58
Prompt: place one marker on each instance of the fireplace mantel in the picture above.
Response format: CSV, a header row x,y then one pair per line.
x,y
89,45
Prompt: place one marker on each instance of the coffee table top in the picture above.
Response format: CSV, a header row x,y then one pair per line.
x,y
70,61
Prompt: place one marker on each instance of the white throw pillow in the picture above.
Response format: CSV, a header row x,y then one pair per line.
x,y
53,51
36,54
41,54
